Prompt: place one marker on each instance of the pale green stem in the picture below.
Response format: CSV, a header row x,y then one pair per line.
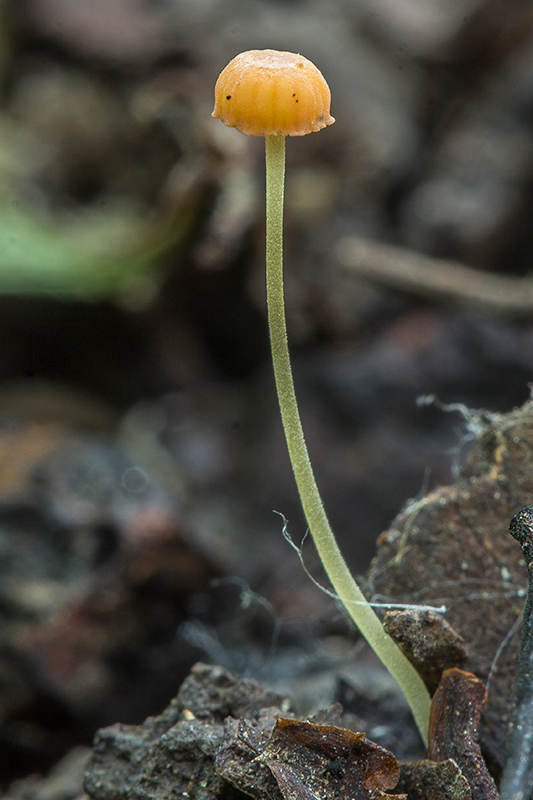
x,y
338,573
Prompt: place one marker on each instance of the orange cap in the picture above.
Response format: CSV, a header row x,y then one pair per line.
x,y
270,92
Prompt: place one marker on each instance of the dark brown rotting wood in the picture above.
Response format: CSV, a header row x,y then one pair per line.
x,y
452,547
428,641
453,729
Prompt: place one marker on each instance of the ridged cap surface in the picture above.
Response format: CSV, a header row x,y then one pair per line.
x,y
271,92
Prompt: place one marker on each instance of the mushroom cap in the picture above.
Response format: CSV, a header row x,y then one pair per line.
x,y
272,93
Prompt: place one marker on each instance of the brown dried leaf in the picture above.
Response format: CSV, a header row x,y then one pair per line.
x,y
245,739
237,762
429,780
315,762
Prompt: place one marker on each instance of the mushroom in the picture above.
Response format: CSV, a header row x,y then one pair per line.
x,y
272,93
277,94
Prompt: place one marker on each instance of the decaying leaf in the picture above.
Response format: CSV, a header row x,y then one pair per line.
x,y
429,780
245,739
237,761
318,762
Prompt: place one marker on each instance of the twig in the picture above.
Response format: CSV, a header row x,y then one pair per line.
x,y
436,278
517,780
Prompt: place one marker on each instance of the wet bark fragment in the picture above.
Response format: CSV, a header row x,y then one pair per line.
x,y
453,729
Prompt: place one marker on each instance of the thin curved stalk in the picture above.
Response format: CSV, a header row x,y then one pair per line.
x,y
338,573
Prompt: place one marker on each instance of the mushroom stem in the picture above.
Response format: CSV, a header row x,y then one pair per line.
x,y
336,569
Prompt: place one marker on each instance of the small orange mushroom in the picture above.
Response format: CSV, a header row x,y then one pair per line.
x,y
276,94
272,93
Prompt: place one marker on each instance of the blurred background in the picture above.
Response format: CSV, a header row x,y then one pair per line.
x,y
141,452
